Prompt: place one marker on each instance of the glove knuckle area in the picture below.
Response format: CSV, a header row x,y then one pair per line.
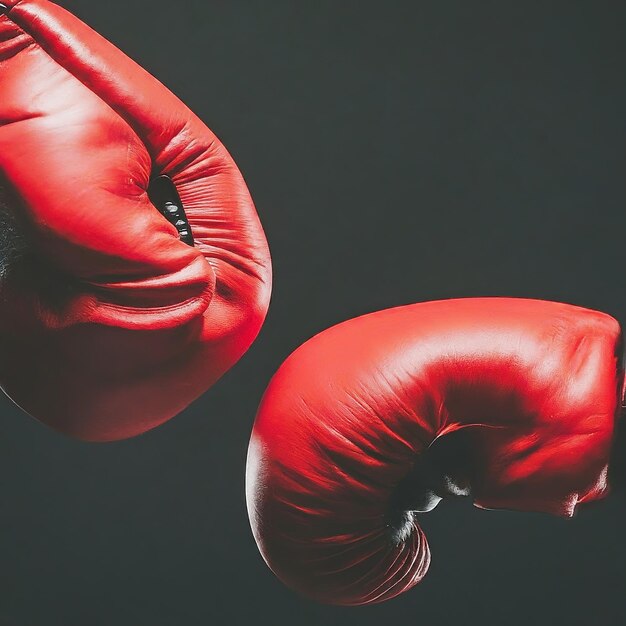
x,y
375,419
144,321
117,126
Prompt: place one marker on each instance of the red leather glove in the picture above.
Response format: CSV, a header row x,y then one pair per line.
x,y
113,323
512,402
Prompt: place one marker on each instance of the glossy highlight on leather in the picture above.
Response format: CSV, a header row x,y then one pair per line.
x,y
118,318
510,402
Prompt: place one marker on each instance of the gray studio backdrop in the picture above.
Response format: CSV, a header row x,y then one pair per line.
x,y
397,152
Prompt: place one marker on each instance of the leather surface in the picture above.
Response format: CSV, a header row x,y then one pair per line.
x,y
112,325
526,393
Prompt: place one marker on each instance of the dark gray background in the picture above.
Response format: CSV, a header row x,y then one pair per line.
x,y
397,152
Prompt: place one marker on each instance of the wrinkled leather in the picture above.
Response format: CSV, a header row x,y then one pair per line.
x,y
532,390
112,325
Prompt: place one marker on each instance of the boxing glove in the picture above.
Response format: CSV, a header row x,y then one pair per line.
x,y
146,273
511,402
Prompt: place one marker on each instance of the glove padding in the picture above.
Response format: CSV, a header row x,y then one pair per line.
x,y
512,402
113,323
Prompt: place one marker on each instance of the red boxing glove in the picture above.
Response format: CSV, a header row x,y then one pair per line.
x,y
510,401
115,321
